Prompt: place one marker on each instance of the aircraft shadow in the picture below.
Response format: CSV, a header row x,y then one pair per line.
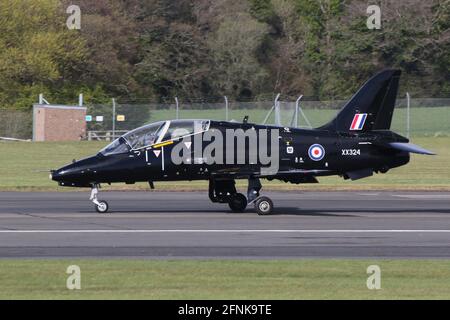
x,y
285,211
350,212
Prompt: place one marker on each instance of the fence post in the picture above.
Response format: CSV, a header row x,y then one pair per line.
x,y
297,102
42,99
226,108
408,123
268,115
114,118
277,111
176,101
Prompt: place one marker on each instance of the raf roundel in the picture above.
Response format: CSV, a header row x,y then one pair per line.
x,y
316,152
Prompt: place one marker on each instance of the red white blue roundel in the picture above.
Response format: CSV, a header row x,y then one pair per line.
x,y
316,152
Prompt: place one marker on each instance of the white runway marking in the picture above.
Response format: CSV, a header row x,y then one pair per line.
x,y
228,231
423,196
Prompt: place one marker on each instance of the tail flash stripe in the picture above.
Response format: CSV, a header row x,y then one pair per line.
x,y
355,120
358,121
363,120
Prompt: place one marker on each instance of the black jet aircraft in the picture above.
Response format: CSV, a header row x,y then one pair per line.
x,y
356,144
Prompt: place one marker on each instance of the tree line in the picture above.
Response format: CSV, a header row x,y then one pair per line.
x,y
138,50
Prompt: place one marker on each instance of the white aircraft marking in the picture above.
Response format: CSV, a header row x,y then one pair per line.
x,y
231,231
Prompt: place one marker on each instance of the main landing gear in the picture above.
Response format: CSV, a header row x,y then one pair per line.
x,y
224,191
237,202
101,206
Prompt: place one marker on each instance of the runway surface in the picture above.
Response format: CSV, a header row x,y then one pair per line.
x,y
188,225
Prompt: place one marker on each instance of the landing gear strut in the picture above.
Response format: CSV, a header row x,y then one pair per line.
x,y
101,206
263,205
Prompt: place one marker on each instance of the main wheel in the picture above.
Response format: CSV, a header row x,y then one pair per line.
x,y
238,202
102,206
263,206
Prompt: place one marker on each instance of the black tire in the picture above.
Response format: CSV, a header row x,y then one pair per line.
x,y
238,202
264,206
102,207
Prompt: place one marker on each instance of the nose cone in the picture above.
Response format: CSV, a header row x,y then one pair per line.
x,y
77,174
56,175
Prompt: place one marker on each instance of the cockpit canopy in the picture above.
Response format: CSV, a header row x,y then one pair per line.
x,y
144,136
154,133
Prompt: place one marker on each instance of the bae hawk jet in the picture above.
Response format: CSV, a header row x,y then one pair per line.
x,y
356,144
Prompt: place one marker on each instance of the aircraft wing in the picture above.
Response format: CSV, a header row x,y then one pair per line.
x,y
306,172
283,174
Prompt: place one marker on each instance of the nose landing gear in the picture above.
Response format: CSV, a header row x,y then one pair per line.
x,y
101,206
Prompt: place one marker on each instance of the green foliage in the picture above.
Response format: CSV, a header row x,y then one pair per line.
x,y
170,63
234,46
35,50
262,10
154,49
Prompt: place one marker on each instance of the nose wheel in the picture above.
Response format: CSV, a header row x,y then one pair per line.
x,y
101,206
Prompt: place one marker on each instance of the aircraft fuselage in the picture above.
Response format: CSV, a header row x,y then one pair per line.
x,y
342,153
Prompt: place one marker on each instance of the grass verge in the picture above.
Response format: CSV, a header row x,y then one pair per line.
x,y
225,279
24,167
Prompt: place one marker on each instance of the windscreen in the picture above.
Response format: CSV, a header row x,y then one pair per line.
x,y
115,147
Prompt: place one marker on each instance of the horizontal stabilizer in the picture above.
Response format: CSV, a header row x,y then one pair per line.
x,y
409,147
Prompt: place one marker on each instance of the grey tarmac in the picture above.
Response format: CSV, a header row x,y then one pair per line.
x,y
172,225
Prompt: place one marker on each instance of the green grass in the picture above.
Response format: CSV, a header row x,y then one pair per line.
x,y
23,165
225,279
26,165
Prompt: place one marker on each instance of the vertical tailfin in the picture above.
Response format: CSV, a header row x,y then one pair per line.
x,y
371,108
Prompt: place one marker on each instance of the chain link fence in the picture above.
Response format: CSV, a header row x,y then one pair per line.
x,y
427,116
16,124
